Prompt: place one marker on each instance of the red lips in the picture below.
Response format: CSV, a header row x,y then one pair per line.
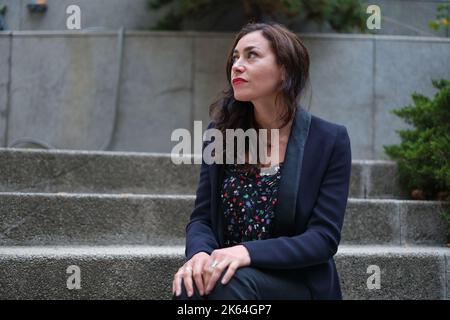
x,y
238,80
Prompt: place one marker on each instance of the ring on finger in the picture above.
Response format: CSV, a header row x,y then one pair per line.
x,y
214,264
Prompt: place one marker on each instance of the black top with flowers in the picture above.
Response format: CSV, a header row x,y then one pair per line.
x,y
249,197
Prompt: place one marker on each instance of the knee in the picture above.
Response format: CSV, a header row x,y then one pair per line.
x,y
240,287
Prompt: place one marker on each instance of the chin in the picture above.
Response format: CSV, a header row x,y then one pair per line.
x,y
241,97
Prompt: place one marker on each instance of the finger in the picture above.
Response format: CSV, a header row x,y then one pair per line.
x,y
215,276
197,274
207,272
187,278
230,273
178,284
212,281
178,279
206,277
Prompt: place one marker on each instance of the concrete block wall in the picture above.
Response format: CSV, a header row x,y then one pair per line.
x,y
5,74
109,14
59,87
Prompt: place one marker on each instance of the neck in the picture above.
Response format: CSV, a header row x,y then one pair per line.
x,y
267,117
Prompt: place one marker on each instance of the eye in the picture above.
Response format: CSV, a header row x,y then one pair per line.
x,y
233,59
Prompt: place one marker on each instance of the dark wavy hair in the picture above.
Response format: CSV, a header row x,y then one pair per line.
x,y
291,54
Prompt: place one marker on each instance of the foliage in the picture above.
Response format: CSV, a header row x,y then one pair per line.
x,y
423,157
341,15
442,19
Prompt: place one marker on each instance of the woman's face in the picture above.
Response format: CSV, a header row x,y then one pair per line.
x,y
255,62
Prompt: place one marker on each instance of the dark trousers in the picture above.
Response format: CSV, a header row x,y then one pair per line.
x,y
250,283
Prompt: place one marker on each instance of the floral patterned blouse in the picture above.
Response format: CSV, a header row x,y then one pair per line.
x,y
249,196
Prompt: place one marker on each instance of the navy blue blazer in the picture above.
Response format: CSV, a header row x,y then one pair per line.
x,y
312,198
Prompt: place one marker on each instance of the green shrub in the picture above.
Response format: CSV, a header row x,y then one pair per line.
x,y
341,15
423,157
442,19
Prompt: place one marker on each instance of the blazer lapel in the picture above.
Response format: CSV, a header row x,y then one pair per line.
x,y
217,218
290,175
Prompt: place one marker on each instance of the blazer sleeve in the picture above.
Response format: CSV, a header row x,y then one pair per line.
x,y
199,233
320,241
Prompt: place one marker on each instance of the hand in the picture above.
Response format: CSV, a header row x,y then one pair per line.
x,y
192,268
221,259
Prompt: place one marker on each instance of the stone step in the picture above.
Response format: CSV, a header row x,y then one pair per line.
x,y
34,170
114,219
141,272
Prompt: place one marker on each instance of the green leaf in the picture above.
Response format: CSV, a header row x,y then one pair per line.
x,y
423,156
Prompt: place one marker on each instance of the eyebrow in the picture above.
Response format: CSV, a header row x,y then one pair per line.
x,y
245,49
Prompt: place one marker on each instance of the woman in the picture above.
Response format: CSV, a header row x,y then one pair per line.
x,y
269,232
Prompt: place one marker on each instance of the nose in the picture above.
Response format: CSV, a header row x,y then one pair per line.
x,y
237,66
236,71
